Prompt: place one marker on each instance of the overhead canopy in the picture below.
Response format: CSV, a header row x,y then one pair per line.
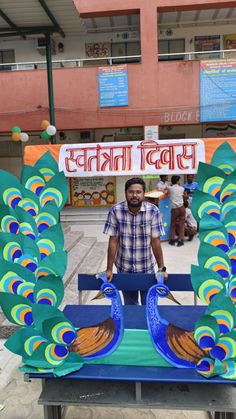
x,y
190,18
29,18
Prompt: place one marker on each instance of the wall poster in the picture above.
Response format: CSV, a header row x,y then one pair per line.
x,y
93,191
98,50
207,43
217,90
113,86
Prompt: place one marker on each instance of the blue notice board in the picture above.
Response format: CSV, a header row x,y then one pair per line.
x,y
217,90
113,86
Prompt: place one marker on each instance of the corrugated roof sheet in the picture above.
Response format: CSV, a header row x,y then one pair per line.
x,y
30,13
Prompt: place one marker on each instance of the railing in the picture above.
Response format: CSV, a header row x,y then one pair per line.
x,y
103,61
198,55
73,62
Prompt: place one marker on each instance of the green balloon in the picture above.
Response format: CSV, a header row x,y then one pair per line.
x,y
16,129
45,135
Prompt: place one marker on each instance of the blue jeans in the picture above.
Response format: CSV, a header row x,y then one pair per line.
x,y
131,297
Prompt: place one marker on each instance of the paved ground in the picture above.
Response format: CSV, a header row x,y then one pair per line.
x,y
18,399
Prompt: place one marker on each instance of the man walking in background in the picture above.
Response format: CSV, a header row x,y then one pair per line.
x,y
176,193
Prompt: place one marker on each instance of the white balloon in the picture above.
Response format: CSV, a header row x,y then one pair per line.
x,y
51,130
24,137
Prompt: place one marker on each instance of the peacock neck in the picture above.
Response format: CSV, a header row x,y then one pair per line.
x,y
117,308
153,315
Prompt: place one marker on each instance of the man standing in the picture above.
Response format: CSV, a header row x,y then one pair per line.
x,y
177,212
191,184
134,226
162,184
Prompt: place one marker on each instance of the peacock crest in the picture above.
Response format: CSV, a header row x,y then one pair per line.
x,y
214,279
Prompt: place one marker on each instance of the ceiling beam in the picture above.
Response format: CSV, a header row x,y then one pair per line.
x,y
178,17
111,19
51,17
197,14
230,12
94,24
11,24
215,14
37,30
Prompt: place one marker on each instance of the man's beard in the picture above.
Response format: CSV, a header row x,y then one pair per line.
x,y
134,204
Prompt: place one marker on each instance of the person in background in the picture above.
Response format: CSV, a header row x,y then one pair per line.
x,y
177,212
187,197
191,184
134,227
162,184
190,228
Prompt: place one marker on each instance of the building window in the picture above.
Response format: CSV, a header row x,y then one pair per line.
x,y
6,56
170,46
122,49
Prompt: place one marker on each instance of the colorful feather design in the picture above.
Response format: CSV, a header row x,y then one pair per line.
x,y
32,265
214,279
33,262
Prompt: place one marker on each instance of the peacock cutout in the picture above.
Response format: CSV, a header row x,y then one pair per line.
x,y
102,339
33,262
32,265
176,345
211,348
214,279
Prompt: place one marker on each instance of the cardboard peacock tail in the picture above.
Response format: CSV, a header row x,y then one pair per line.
x,y
33,262
214,279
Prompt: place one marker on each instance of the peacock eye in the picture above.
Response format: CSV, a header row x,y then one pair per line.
x,y
161,291
108,290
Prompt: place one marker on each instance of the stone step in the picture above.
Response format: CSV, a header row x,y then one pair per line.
x,y
76,257
81,216
66,227
71,239
96,254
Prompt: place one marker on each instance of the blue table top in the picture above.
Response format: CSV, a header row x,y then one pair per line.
x,y
135,317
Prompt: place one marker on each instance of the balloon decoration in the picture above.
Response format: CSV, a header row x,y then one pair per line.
x,y
45,135
48,131
17,135
24,137
16,129
51,130
45,124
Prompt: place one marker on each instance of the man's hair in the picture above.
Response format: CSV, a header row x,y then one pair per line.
x,y
175,179
188,191
133,181
162,176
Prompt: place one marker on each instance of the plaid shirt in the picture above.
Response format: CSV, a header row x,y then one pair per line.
x,y
135,232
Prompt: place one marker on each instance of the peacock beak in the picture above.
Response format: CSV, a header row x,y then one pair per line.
x,y
172,298
99,296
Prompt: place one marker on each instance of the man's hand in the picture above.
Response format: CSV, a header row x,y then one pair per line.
x,y
165,276
109,274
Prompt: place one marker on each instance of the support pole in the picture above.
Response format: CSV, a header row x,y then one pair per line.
x,y
50,84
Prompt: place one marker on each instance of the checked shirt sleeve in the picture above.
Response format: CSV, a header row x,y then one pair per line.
x,y
111,226
157,226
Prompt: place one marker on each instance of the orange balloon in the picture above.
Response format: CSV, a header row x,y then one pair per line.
x,y
15,136
45,124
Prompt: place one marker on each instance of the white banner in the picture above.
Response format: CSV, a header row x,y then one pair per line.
x,y
131,158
